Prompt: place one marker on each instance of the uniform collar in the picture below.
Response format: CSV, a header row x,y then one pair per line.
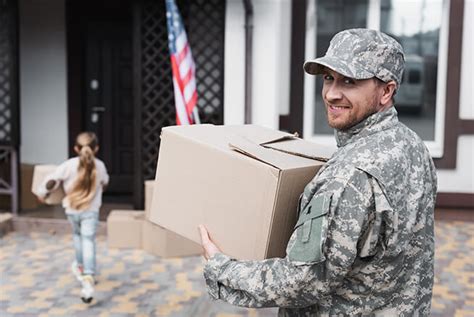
x,y
376,122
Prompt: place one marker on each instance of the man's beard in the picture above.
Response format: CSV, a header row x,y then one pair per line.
x,y
352,120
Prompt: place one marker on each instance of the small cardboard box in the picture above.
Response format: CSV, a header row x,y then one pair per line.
x,y
39,175
241,182
164,243
125,228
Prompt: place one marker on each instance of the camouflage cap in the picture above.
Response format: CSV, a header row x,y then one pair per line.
x,y
361,54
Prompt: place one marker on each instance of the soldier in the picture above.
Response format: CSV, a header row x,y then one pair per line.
x,y
363,244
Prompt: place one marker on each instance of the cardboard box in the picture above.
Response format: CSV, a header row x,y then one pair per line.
x,y
125,228
27,199
160,241
148,195
164,243
39,175
242,182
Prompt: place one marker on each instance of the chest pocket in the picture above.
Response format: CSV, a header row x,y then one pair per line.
x,y
311,231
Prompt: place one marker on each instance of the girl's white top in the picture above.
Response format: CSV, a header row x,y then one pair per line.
x,y
66,174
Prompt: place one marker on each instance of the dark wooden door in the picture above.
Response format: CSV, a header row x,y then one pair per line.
x,y
108,99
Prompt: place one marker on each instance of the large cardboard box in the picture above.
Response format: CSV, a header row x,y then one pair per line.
x,y
164,243
241,182
39,175
160,241
125,228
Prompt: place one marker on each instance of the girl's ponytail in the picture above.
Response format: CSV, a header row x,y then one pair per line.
x,y
83,190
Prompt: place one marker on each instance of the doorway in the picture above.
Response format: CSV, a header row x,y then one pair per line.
x,y
99,40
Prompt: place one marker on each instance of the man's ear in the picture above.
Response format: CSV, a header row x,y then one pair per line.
x,y
76,149
388,92
96,149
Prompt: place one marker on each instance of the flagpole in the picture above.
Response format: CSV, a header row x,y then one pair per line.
x,y
196,116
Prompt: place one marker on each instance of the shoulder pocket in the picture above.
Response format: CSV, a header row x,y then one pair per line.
x,y
311,231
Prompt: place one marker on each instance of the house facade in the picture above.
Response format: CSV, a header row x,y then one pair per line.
x,y
68,66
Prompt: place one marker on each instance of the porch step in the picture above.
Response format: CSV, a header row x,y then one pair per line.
x,y
6,223
53,226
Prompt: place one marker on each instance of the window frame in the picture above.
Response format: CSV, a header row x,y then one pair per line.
x,y
436,146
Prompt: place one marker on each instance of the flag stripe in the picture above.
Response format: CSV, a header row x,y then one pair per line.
x,y
181,109
189,90
183,53
185,65
188,78
181,40
192,103
175,70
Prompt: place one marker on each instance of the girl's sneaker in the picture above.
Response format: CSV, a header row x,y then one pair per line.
x,y
87,291
77,270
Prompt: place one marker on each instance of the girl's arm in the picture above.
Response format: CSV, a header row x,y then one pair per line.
x,y
52,181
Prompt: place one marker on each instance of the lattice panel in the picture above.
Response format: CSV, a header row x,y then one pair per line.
x,y
156,83
204,22
206,37
8,106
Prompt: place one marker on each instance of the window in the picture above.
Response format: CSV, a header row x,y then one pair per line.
x,y
414,77
420,26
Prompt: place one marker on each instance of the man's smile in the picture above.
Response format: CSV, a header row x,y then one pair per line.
x,y
337,108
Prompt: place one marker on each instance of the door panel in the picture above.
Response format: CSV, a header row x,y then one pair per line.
x,y
108,107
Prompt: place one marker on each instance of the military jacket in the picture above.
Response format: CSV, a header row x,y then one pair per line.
x,y
363,244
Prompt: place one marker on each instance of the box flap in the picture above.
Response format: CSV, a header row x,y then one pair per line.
x,y
296,146
254,133
262,154
270,152
218,135
255,151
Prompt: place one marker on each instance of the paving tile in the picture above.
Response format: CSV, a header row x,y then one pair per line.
x,y
35,279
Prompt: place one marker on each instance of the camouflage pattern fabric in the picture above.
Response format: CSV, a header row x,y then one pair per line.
x,y
364,241
362,54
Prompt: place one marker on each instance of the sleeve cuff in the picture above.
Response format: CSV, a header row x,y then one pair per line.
x,y
212,270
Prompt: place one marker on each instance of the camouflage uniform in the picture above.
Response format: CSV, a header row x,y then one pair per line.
x,y
364,242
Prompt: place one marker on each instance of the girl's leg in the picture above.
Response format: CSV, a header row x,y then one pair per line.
x,y
76,237
89,222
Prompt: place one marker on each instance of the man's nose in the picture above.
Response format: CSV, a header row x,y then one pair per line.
x,y
333,92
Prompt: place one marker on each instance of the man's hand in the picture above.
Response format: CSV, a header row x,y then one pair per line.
x,y
208,246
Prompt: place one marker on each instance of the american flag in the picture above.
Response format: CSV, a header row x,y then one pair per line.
x,y
184,69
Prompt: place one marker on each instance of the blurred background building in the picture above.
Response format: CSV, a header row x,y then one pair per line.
x,y
68,66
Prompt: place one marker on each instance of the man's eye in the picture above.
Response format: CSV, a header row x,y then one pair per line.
x,y
327,77
349,81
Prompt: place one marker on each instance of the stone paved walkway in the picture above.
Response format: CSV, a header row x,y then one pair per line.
x,y
35,280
